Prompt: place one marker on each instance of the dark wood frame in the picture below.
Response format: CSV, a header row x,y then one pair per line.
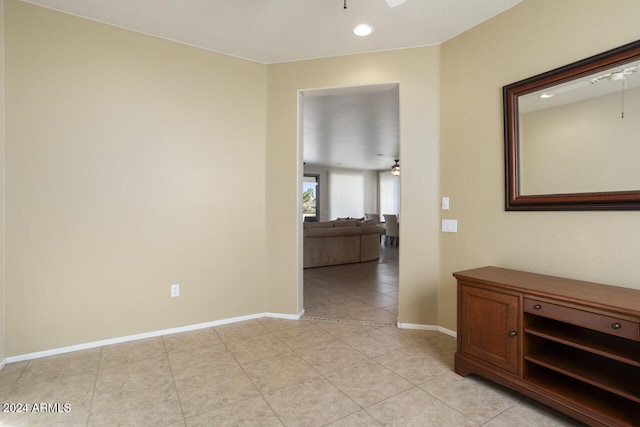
x,y
612,200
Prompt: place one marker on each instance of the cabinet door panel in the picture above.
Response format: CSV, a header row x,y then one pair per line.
x,y
490,326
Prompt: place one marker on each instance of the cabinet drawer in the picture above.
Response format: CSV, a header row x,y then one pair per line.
x,y
586,319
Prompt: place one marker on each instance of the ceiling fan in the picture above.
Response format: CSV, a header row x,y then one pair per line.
x,y
613,76
391,3
617,75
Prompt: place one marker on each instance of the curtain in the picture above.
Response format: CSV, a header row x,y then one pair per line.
x,y
346,194
389,194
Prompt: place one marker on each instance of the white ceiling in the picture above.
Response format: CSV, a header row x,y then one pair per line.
x,y
352,128
271,31
356,128
584,88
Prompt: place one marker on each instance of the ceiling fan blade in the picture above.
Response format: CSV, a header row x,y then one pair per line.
x,y
569,87
394,3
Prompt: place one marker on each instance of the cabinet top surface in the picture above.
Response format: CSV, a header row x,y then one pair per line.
x,y
626,300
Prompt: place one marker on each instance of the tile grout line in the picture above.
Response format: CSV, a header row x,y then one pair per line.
x,y
354,321
15,382
173,378
246,374
372,359
360,408
95,386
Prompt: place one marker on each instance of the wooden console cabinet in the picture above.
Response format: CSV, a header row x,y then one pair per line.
x,y
569,344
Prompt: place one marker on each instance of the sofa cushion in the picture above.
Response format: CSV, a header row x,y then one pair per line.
x,y
372,229
369,247
324,224
345,223
340,242
332,232
331,246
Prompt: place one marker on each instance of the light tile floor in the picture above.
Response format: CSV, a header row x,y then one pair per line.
x,y
364,292
268,372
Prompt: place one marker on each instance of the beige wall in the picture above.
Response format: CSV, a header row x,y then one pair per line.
x,y
535,36
582,147
132,163
2,170
417,72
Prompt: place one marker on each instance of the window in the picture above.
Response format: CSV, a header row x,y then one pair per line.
x,y
346,194
310,202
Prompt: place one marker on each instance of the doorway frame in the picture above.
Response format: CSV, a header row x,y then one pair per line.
x,y
300,174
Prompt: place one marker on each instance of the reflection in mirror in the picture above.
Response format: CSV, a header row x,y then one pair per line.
x,y
583,135
572,135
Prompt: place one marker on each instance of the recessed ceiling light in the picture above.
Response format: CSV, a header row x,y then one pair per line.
x,y
363,30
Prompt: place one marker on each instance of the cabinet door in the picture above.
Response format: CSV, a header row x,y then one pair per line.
x,y
489,326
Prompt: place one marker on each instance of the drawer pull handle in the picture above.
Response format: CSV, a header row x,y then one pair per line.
x,y
537,307
513,333
616,325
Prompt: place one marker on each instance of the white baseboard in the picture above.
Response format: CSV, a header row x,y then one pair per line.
x,y
94,344
153,334
427,328
284,316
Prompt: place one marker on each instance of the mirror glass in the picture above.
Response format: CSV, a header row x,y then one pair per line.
x,y
583,135
572,135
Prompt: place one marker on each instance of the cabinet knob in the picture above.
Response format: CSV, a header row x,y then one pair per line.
x,y
616,325
537,307
513,333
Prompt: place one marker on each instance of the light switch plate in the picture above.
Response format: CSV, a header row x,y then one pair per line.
x,y
175,290
445,203
449,226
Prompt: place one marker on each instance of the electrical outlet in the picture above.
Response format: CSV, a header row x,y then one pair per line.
x,y
175,290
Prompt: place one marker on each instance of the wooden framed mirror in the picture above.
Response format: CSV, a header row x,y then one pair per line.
x,y
572,135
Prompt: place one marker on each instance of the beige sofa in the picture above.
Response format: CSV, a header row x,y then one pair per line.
x,y
341,242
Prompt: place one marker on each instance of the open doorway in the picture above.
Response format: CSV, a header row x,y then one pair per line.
x,y
349,142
